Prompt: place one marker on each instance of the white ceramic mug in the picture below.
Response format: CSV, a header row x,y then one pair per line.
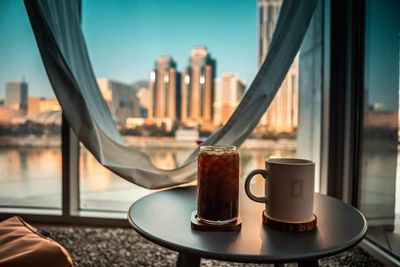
x,y
289,189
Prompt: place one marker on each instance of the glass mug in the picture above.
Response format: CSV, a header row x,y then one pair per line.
x,y
218,185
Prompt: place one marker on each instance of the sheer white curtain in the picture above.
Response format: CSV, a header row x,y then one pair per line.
x,y
59,36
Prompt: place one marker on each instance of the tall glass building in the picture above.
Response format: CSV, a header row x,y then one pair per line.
x,y
17,95
281,116
198,89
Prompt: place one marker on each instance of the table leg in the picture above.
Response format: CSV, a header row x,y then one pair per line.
x,y
308,263
187,260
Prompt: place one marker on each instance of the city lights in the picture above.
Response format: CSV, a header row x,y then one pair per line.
x,y
202,80
166,78
187,79
152,76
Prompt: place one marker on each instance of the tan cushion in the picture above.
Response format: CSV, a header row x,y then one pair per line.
x,y
22,245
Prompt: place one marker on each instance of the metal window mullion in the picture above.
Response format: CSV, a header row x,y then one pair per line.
x,y
358,97
325,107
70,170
343,94
70,164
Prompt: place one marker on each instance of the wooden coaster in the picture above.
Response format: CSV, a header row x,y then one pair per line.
x,y
200,226
290,227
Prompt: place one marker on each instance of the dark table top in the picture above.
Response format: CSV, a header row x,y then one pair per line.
x,y
164,218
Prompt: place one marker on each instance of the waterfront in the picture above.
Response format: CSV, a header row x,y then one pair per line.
x,y
30,175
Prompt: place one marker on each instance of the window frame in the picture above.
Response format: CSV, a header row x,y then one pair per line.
x,y
344,96
70,213
341,128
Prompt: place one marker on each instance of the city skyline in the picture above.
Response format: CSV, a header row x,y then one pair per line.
x,y
20,55
124,39
189,99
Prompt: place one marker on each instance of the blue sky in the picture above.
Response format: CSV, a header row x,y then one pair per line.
x,y
125,38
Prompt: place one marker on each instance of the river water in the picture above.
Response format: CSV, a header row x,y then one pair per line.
x,y
31,176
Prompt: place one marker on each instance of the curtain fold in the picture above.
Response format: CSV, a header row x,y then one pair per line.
x,y
57,28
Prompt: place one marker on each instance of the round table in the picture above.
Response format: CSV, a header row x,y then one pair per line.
x,y
164,218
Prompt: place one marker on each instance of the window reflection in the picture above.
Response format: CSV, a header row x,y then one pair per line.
x,y
104,191
378,192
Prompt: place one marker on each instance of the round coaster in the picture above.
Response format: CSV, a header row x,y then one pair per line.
x,y
288,226
201,226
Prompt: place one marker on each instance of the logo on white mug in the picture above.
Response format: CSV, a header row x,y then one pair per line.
x,y
296,188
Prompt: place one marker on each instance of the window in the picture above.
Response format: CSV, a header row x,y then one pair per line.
x,y
380,183
168,89
215,61
30,118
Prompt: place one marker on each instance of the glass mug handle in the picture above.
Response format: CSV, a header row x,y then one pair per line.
x,y
250,176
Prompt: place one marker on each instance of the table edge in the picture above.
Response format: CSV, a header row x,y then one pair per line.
x,y
244,258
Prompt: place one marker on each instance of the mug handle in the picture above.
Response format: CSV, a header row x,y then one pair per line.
x,y
250,176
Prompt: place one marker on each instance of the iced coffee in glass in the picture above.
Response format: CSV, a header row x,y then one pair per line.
x,y
218,184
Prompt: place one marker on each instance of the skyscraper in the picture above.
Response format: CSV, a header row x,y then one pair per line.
x,y
282,114
198,89
120,98
142,93
229,90
17,96
164,90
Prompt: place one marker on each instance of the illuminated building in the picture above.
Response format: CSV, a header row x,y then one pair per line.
x,y
41,104
198,89
164,91
229,90
282,114
17,95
